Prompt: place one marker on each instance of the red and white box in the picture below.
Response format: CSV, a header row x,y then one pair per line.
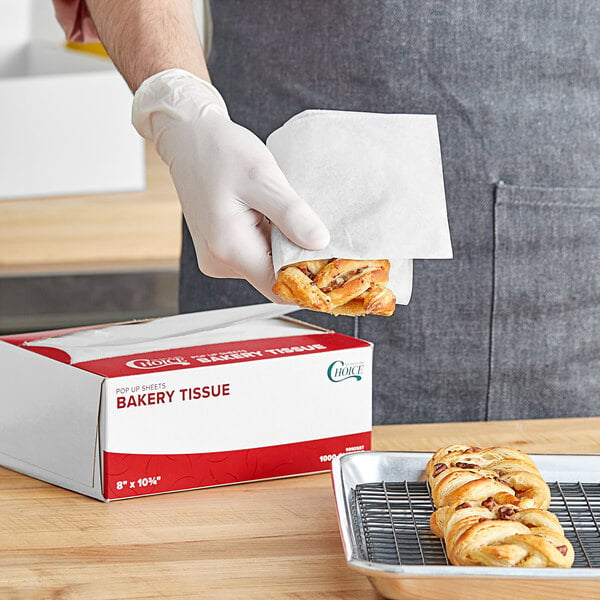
x,y
182,402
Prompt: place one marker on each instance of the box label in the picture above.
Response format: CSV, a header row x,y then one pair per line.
x,y
247,404
239,421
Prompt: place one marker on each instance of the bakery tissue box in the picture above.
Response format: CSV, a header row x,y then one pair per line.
x,y
182,402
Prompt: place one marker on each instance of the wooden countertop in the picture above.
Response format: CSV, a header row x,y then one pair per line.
x,y
96,232
265,540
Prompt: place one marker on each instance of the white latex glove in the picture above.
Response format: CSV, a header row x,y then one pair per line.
x,y
226,179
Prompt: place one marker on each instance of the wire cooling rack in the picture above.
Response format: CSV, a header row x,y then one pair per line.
x,y
392,520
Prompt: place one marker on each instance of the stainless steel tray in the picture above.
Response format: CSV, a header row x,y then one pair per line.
x,y
383,508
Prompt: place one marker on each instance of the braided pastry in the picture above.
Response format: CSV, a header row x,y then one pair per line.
x,y
491,509
338,286
469,472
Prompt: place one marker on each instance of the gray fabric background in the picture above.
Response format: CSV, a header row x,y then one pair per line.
x,y
510,327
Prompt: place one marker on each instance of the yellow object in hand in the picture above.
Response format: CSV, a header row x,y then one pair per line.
x,y
91,47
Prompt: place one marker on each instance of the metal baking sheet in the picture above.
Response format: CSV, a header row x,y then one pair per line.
x,y
383,507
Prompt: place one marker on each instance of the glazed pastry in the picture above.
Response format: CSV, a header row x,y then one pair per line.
x,y
338,286
491,509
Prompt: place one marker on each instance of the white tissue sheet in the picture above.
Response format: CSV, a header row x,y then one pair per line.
x,y
376,182
179,331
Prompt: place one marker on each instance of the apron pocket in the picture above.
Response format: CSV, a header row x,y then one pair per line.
x,y
545,329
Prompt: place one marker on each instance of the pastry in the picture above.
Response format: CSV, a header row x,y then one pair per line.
x,y
490,509
465,472
338,286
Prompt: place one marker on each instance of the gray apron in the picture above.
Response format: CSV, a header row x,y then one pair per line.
x,y
510,327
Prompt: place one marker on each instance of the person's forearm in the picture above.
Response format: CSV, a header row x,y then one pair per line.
x,y
144,37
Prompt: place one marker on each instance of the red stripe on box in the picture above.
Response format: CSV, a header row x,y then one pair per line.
x,y
218,354
130,475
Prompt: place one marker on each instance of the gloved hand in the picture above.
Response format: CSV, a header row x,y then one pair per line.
x,y
226,179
